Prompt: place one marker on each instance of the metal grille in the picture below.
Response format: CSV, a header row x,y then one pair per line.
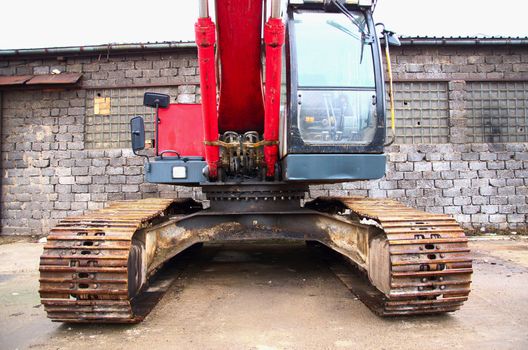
x,y
113,130
497,111
421,112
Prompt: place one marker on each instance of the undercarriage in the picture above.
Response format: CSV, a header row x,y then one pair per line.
x,y
98,267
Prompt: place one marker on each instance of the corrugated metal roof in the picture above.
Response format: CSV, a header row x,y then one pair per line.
x,y
98,49
55,79
14,80
45,79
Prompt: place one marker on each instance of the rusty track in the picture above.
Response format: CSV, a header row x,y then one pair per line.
x,y
84,270
430,266
94,268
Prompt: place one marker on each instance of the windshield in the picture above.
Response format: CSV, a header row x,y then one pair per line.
x,y
336,90
331,52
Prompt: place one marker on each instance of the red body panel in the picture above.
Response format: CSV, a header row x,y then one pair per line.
x,y
241,106
179,130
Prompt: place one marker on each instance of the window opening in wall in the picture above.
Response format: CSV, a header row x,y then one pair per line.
x,y
422,112
497,111
108,114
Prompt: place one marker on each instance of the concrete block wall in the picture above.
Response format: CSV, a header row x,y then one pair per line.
x,y
484,186
48,174
464,62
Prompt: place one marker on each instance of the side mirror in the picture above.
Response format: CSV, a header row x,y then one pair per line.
x,y
153,99
389,37
137,130
392,38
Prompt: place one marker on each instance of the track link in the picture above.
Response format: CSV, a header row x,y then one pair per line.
x,y
85,266
430,265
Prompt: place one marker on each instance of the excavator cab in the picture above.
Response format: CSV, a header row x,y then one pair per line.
x,y
335,124
329,125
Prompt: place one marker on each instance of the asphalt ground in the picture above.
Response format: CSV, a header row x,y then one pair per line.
x,y
274,296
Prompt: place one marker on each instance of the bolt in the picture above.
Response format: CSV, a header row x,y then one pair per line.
x,y
442,287
424,279
420,288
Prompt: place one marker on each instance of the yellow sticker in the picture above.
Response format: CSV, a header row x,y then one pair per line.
x,y
102,106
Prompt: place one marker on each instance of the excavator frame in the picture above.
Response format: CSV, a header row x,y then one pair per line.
x,y
97,267
102,266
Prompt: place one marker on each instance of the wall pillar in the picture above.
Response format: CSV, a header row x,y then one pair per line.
x,y
457,111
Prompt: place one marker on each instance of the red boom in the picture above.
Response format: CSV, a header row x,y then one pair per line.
x,y
241,103
241,106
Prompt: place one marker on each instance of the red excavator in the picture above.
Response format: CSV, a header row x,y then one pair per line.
x,y
293,94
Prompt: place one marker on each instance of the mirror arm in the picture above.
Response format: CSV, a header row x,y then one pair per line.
x,y
147,166
157,126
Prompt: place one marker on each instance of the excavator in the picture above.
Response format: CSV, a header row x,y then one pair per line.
x,y
293,93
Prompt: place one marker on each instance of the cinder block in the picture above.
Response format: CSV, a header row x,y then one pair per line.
x,y
487,191
497,218
66,180
415,157
516,218
130,188
443,183
517,200
409,166
452,210
451,192
422,166
440,166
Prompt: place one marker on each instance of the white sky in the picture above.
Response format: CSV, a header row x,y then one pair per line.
x,y
50,23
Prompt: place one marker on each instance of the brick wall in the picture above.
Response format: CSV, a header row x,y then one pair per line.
x,y
48,174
